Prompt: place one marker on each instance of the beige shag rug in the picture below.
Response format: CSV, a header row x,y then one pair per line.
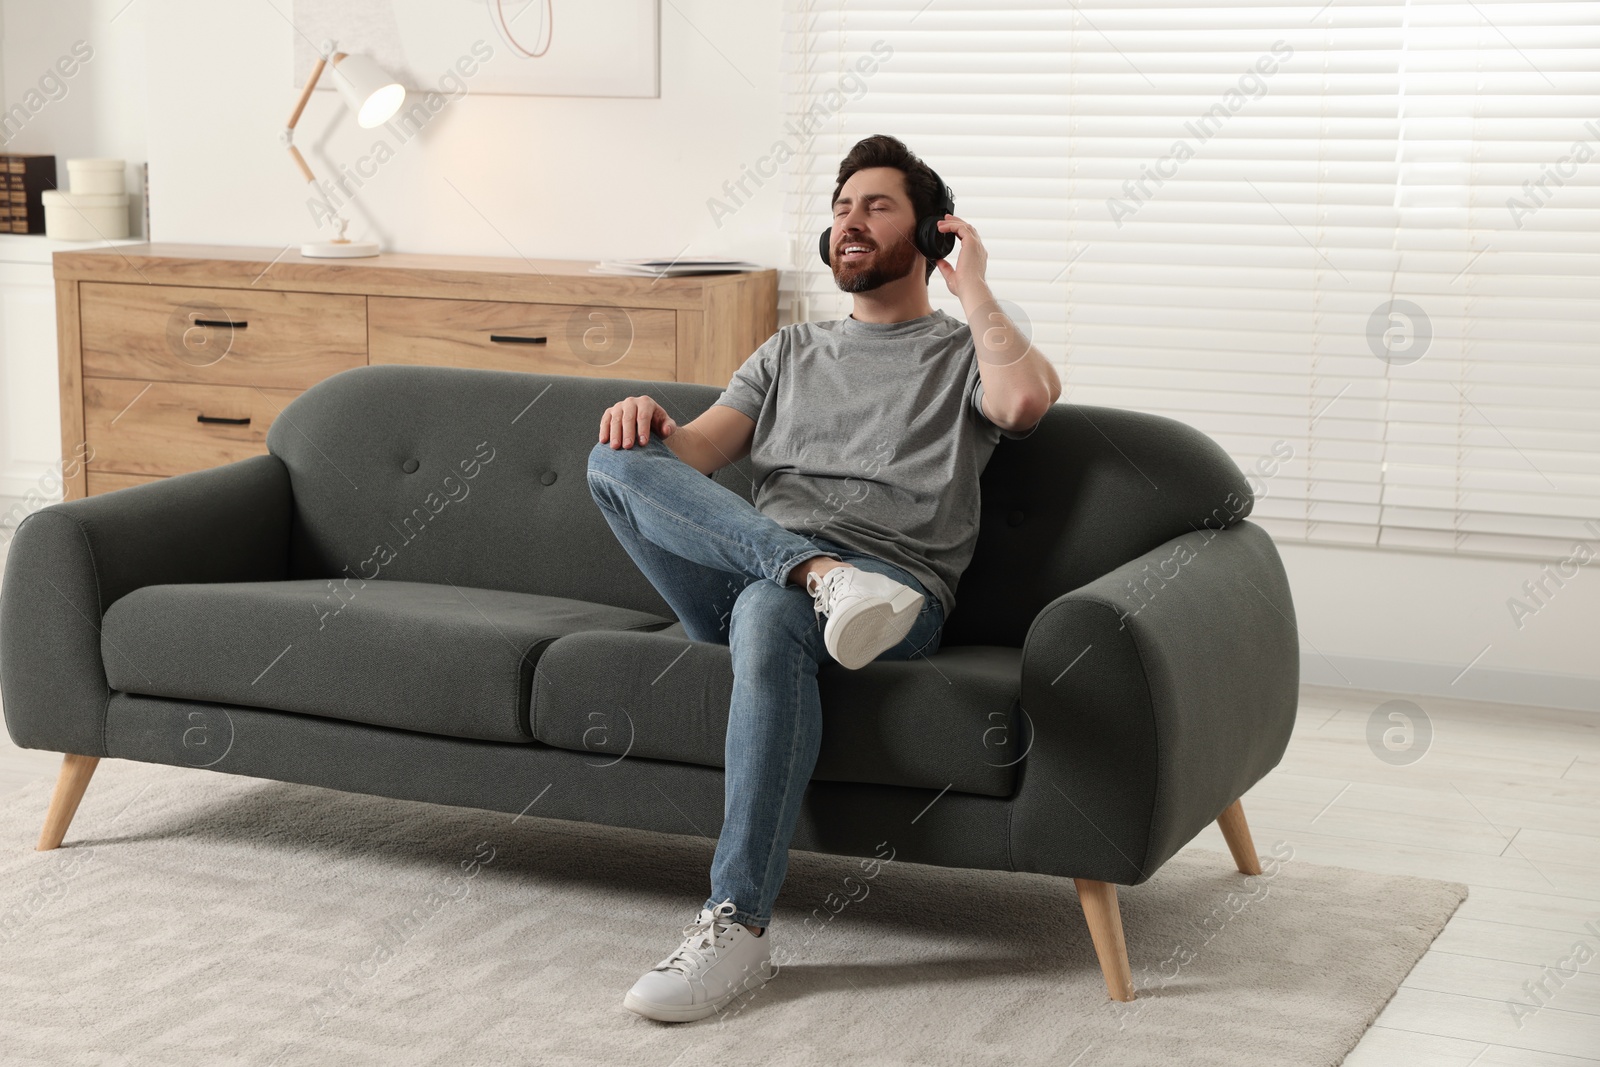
x,y
195,917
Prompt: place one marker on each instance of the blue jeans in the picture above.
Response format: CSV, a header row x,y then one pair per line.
x,y
723,567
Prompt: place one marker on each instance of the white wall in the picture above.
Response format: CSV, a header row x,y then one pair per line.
x,y
99,109
584,178
1415,621
558,177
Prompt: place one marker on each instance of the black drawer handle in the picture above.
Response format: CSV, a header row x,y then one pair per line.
x,y
226,422
508,339
219,323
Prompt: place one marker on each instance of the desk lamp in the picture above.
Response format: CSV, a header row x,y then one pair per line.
x,y
374,97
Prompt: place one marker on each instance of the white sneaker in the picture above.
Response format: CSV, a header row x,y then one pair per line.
x,y
867,613
718,960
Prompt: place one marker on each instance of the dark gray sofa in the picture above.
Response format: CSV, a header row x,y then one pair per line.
x,y
414,595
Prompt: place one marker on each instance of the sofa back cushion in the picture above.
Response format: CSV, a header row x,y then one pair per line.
x,y
1086,492
464,476
478,478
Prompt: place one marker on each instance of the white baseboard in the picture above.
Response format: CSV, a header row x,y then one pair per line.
x,y
1497,684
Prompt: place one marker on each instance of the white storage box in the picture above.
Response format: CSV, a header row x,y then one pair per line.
x,y
97,176
85,216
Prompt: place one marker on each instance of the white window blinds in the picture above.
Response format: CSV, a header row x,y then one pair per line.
x,y
1354,242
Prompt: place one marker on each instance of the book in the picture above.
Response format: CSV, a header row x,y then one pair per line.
x,y
23,180
672,268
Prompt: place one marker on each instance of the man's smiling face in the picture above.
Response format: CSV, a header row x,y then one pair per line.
x,y
873,227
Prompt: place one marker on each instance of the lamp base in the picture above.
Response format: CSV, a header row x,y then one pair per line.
x,y
339,249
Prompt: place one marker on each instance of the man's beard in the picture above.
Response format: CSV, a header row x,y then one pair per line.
x,y
885,267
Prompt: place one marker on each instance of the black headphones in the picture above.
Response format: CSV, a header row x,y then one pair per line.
x,y
929,239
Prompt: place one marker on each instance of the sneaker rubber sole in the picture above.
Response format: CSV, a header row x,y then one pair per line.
x,y
863,631
686,1013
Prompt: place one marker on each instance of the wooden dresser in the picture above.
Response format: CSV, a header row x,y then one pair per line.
x,y
178,357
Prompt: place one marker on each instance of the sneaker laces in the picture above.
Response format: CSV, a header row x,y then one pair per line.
x,y
826,591
699,940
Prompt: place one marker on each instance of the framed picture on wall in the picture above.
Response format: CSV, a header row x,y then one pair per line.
x,y
521,47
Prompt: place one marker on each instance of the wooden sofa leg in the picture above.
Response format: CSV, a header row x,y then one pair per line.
x,y
74,778
1099,900
1237,833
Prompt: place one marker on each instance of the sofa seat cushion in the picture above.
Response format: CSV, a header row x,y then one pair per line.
x,y
949,720
438,659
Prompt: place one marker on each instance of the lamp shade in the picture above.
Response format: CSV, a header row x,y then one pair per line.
x,y
371,93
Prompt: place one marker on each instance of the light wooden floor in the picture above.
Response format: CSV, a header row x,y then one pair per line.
x,y
1506,799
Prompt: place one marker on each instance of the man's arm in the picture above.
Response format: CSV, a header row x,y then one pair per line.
x,y
1017,389
1019,384
718,436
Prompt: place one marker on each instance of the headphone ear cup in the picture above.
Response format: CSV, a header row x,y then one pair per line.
x,y
822,245
931,241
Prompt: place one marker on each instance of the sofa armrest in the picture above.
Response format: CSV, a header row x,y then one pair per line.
x,y
70,562
1157,694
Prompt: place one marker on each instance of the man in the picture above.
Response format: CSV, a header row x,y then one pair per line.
x,y
867,436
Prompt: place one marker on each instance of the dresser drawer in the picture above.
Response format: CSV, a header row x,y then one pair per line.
x,y
600,341
164,428
224,336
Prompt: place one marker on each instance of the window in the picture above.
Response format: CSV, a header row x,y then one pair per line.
x,y
1354,243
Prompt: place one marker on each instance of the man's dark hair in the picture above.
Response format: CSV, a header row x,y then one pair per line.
x,y
922,184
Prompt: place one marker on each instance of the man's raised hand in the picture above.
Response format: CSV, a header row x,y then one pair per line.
x,y
972,259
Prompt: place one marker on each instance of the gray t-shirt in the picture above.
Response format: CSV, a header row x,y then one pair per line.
x,y
871,435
